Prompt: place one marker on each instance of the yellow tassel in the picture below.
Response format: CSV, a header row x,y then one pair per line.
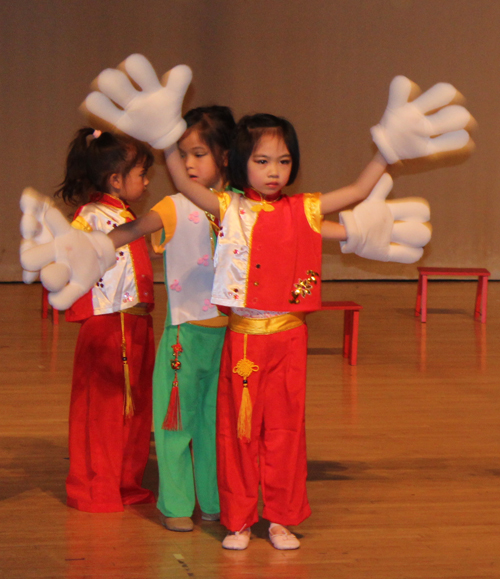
x,y
245,416
129,402
244,368
128,405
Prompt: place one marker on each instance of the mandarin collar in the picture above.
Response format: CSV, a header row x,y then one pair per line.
x,y
108,199
254,195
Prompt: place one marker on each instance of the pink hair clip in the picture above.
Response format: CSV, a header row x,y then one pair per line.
x,y
96,134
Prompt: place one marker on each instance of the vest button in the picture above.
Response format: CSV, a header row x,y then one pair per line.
x,y
255,283
258,266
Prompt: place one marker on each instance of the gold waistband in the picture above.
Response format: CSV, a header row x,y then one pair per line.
x,y
136,311
258,326
218,322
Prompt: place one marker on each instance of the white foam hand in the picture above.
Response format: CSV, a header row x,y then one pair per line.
x,y
70,261
152,114
34,231
407,132
387,230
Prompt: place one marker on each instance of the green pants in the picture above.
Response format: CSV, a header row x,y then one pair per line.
x,y
186,458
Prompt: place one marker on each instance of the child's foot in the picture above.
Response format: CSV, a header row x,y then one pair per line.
x,y
237,541
282,538
210,516
179,524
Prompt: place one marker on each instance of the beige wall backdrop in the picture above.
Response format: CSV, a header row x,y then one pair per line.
x,y
324,64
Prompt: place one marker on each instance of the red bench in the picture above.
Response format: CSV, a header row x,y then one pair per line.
x,y
351,327
481,293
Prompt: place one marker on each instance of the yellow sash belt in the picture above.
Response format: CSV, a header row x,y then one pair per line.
x,y
259,326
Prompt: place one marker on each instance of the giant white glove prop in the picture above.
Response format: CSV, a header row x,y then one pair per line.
x,y
387,230
153,114
407,132
34,231
71,262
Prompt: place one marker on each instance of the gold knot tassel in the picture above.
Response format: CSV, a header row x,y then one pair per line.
x,y
244,368
128,404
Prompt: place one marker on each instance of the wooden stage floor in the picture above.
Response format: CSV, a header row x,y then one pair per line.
x,y
404,452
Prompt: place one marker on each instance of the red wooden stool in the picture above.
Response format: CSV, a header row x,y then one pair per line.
x,y
351,327
45,308
481,293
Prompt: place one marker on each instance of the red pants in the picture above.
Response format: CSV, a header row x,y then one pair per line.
x,y
108,452
276,453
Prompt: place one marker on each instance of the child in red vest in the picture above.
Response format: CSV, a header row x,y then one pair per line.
x,y
268,271
111,393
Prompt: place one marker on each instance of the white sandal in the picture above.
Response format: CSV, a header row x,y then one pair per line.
x,y
237,541
282,539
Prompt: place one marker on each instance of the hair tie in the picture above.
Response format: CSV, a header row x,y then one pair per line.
x,y
96,134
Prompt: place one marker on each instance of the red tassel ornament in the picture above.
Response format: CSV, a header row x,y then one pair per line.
x,y
173,417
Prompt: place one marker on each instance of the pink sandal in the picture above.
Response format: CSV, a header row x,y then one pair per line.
x,y
237,541
282,539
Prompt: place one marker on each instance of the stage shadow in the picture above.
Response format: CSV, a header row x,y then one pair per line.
x,y
29,463
326,470
33,463
324,351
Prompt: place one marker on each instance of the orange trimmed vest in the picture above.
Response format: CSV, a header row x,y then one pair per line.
x,y
128,283
269,259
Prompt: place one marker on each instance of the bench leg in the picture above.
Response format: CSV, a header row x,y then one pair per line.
x,y
347,333
353,359
484,300
423,303
45,303
479,293
419,296
481,299
45,308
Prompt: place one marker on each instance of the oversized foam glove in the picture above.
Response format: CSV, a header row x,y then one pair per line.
x,y
34,231
71,261
387,230
153,114
407,132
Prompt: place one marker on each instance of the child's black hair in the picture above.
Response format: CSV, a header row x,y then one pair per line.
x,y
215,126
249,131
93,157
